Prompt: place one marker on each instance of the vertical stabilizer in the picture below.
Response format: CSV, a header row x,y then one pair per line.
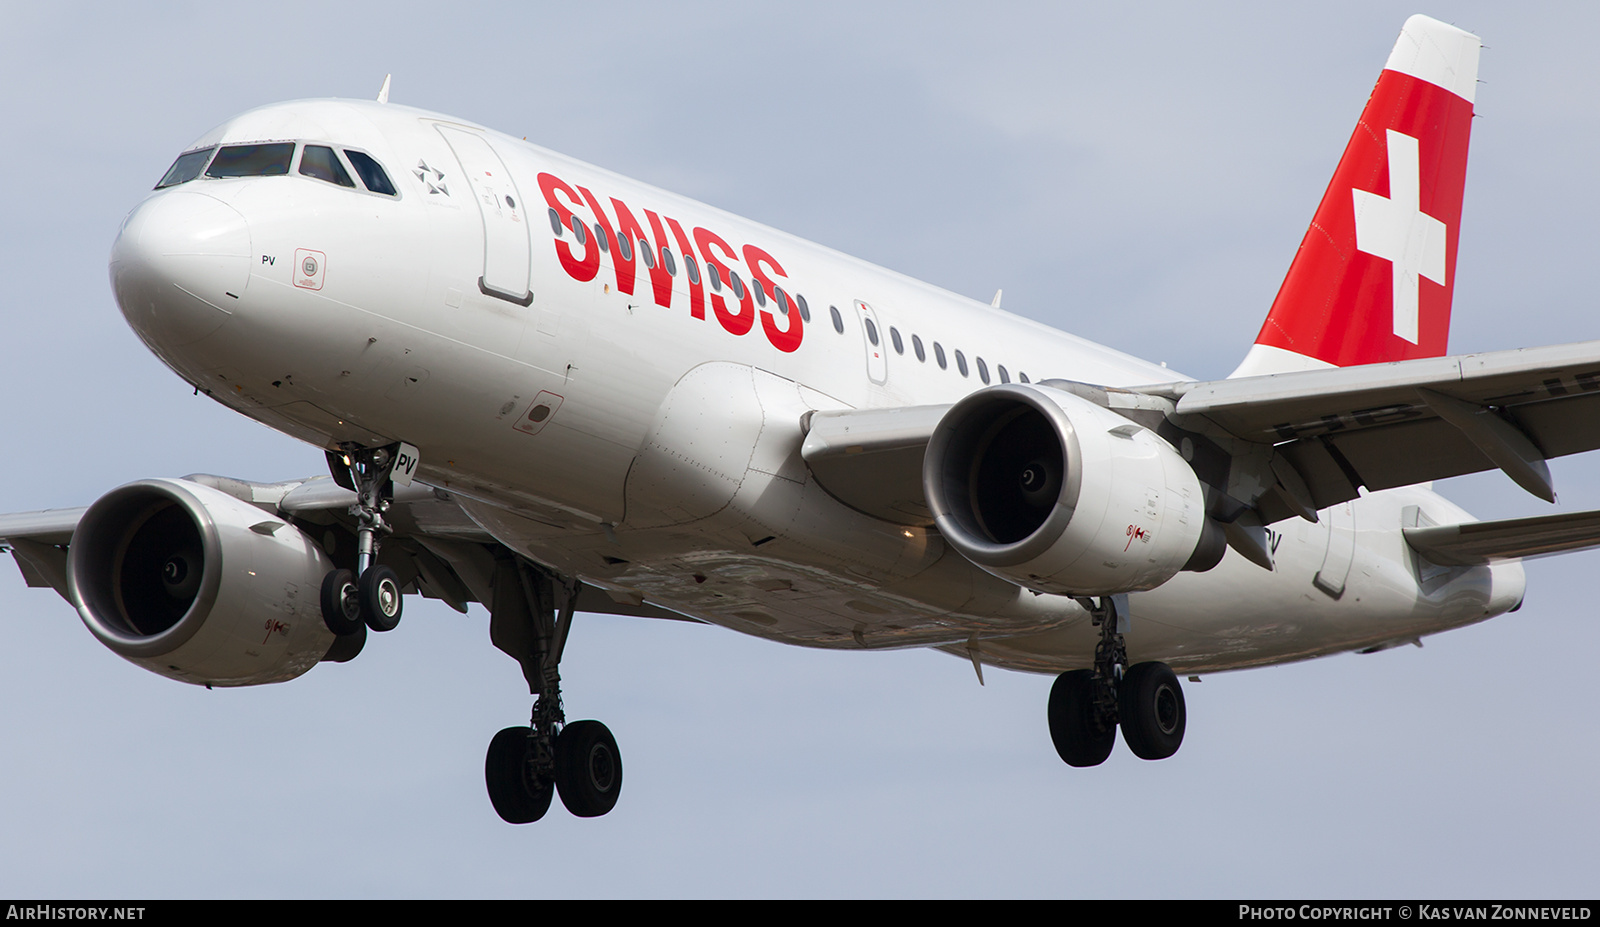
x,y
1374,275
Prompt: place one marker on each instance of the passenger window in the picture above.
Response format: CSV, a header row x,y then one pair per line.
x,y
693,269
186,168
667,261
736,283
782,298
983,370
625,248
555,222
761,292
916,345
599,237
894,337
320,162
252,160
646,255
938,355
838,323
805,310
961,363
872,332
715,275
579,230
372,174
1004,377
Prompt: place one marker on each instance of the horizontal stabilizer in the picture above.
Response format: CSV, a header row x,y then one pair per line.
x,y
1482,542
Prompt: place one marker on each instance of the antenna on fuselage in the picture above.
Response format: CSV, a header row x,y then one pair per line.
x,y
993,302
383,94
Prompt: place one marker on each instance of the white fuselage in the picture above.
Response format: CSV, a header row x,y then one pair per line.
x,y
653,450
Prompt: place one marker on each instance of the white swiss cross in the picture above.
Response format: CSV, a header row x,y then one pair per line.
x,y
1397,230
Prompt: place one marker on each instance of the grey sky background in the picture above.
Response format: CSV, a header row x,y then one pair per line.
x,y
1139,175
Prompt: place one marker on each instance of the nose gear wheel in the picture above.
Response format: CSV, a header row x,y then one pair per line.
x,y
371,595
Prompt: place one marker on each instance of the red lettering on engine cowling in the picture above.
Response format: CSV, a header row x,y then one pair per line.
x,y
628,242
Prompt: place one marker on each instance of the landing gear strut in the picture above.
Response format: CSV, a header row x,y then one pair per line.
x,y
529,620
371,595
1087,706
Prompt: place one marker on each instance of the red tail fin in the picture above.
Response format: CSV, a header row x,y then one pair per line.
x,y
1373,278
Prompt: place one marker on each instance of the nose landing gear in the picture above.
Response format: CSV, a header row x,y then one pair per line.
x,y
370,596
1087,706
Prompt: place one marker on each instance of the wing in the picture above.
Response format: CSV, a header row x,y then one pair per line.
x,y
436,549
1385,425
871,459
1271,447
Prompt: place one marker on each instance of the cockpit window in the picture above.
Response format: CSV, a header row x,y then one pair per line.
x,y
252,160
320,162
371,174
186,168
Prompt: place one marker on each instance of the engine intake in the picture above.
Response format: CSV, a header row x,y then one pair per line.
x,y
194,584
1050,491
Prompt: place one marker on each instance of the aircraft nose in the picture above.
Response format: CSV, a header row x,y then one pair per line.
x,y
180,261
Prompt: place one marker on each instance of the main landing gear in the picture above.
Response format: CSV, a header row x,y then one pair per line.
x,y
1087,706
529,620
370,597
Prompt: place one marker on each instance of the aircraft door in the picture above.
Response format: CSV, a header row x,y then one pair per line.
x,y
873,337
1341,521
506,249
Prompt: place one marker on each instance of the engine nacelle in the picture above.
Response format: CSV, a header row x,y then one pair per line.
x,y
196,585
1050,491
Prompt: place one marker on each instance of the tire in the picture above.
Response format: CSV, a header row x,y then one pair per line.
x,y
341,611
1074,730
381,601
517,795
588,769
1150,702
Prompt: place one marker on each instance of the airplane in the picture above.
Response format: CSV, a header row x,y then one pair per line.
x,y
659,409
